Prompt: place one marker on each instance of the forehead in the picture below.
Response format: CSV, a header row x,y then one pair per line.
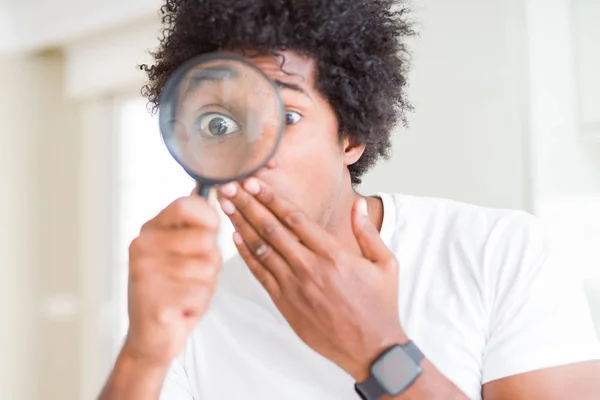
x,y
288,66
288,69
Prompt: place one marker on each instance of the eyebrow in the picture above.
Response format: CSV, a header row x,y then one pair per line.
x,y
292,86
210,74
220,73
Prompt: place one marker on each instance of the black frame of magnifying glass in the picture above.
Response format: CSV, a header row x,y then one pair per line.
x,y
165,115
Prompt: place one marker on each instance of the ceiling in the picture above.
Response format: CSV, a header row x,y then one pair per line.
x,y
30,25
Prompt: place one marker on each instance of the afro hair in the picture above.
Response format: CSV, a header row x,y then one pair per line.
x,y
358,47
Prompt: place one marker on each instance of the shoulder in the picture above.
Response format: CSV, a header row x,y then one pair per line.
x,y
451,210
499,252
458,222
508,269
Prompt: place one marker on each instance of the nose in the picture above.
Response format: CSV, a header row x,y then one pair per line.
x,y
270,165
273,162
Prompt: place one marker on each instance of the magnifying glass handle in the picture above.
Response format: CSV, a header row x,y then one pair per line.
x,y
203,190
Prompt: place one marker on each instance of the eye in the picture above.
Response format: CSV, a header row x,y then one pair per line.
x,y
292,117
216,125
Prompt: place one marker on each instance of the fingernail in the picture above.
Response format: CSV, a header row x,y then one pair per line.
x,y
237,238
252,186
229,189
227,207
362,208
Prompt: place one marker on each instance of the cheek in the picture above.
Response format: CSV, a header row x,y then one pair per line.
x,y
309,170
309,153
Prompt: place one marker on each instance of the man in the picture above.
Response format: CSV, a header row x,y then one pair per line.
x,y
336,295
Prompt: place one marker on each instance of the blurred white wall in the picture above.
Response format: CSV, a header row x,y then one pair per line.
x,y
566,154
17,213
468,138
494,125
39,241
564,87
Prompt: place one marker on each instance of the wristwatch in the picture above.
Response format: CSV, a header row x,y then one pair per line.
x,y
392,372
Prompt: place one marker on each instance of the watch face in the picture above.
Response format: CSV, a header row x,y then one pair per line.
x,y
395,370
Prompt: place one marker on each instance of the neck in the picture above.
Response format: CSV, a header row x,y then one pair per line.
x,y
340,220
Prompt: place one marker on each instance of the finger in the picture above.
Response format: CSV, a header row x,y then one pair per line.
x,y
262,274
367,235
191,211
179,242
257,245
190,270
267,225
200,270
312,235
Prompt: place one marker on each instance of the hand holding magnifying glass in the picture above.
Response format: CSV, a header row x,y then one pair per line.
x,y
221,118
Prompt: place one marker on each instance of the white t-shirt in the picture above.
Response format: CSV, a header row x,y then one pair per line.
x,y
478,293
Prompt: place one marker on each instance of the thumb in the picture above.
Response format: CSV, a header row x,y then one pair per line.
x,y
367,235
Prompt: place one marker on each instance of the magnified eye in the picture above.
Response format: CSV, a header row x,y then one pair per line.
x,y
292,117
216,125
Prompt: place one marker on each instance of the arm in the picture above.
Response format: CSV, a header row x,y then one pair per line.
x,y
431,385
173,269
579,381
133,380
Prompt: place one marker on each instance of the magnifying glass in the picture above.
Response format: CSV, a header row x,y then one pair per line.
x,y
221,118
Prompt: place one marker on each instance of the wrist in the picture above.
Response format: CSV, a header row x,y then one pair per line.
x,y
130,360
361,369
135,351
133,379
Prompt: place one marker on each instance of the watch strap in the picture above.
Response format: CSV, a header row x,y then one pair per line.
x,y
369,389
413,351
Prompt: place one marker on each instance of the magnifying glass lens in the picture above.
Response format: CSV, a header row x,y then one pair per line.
x,y
221,118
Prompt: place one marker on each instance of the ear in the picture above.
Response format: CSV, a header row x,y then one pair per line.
x,y
352,152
